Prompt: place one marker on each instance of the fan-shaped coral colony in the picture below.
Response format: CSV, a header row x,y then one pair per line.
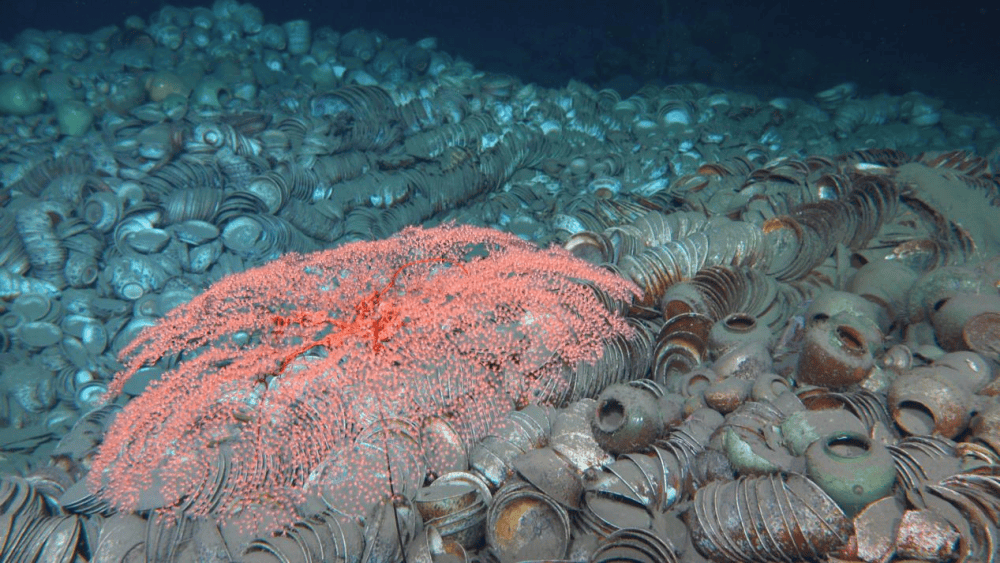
x,y
644,329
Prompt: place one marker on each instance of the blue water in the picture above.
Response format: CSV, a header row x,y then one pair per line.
x,y
946,51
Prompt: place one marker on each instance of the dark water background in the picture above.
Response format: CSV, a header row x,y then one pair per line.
x,y
947,50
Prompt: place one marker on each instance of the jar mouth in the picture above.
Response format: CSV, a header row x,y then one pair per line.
x,y
848,445
611,415
740,323
851,340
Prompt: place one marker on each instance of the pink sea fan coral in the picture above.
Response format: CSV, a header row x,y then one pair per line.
x,y
282,371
